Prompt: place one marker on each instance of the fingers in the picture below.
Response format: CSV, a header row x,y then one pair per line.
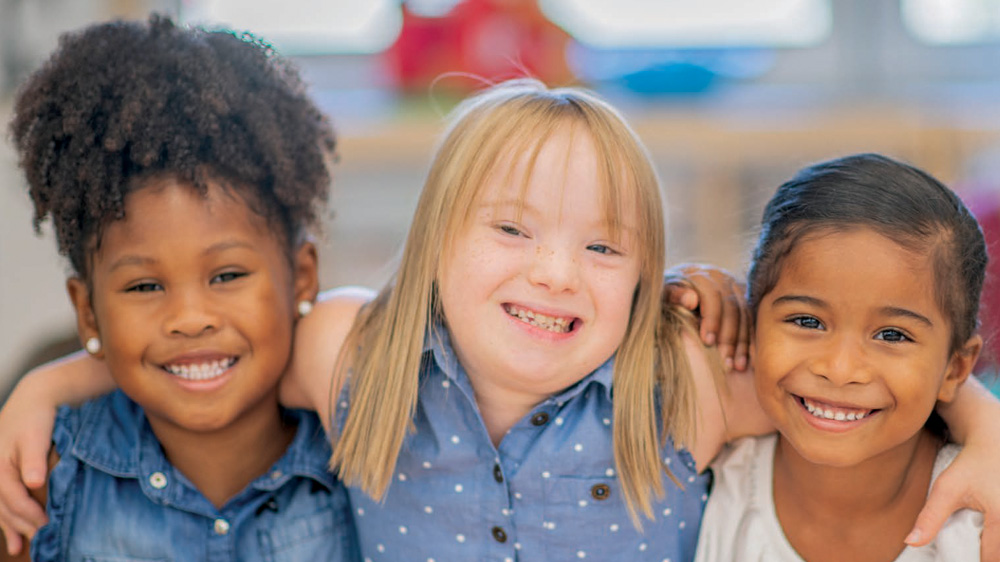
x,y
679,293
943,500
13,540
989,542
33,465
20,514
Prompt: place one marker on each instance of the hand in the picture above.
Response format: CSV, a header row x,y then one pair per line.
x,y
25,435
719,301
967,483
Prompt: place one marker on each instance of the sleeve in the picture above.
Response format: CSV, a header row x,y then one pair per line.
x,y
731,526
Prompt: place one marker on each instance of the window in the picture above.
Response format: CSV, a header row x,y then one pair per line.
x,y
952,22
306,26
634,24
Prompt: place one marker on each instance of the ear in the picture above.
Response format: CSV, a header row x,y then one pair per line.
x,y
86,321
306,273
959,368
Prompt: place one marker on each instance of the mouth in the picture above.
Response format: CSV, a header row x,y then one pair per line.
x,y
200,371
832,412
555,324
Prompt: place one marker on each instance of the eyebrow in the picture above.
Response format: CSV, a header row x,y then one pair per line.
x,y
891,311
139,260
896,311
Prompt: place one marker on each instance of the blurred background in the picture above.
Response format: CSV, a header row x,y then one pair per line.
x,y
731,97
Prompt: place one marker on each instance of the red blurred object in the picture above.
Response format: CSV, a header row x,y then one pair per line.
x,y
489,39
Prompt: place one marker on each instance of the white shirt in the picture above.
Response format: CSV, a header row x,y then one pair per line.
x,y
740,522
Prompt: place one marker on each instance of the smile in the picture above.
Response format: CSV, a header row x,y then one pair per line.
x,y
830,412
201,371
557,324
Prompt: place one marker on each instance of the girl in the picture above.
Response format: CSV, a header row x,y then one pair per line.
x,y
180,199
528,290
865,287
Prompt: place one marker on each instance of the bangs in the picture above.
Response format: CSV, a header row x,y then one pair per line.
x,y
507,150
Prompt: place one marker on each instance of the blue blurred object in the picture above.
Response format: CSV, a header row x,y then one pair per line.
x,y
667,72
670,78
992,381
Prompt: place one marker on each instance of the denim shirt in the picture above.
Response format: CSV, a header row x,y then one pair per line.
x,y
113,496
549,492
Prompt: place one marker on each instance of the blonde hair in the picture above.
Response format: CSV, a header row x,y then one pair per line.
x,y
652,384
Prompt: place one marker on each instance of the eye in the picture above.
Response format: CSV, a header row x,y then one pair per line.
x,y
143,287
807,322
509,229
228,276
892,335
602,249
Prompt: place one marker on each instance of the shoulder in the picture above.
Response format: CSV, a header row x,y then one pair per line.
x,y
739,521
331,319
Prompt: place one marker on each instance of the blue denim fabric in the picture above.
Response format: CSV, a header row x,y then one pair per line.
x,y
113,496
548,493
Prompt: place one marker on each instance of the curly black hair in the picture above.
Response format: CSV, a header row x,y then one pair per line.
x,y
121,102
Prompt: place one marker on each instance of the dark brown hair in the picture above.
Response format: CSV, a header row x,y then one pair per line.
x,y
121,102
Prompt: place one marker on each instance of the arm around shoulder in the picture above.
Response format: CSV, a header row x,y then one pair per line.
x,y
309,383
727,406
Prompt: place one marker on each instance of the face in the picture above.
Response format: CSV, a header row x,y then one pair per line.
x,y
534,302
192,298
852,352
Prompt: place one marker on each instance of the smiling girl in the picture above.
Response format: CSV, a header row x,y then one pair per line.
x,y
865,288
181,203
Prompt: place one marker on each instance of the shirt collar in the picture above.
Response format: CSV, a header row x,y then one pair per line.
x,y
115,438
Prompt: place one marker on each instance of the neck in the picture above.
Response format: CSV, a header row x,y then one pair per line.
x,y
859,512
501,410
222,462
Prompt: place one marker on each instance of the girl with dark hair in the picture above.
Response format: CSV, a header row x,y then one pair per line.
x,y
864,289
180,169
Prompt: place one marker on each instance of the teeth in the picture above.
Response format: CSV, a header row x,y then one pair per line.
x,y
831,413
202,371
550,323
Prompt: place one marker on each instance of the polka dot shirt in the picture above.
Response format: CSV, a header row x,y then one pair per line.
x,y
549,492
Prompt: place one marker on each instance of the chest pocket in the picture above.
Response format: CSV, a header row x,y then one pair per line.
x,y
326,534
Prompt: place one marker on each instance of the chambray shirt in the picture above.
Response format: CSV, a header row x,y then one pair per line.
x,y
113,496
548,493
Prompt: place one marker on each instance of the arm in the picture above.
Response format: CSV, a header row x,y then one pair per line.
x,y
26,432
723,414
973,419
308,383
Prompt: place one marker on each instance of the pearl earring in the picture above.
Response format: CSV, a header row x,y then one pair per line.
x,y
305,307
93,346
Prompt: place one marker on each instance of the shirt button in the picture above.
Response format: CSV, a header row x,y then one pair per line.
x,y
221,527
600,491
497,473
499,534
541,418
158,480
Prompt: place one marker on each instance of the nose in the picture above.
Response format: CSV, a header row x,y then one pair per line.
x,y
842,361
189,313
556,269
